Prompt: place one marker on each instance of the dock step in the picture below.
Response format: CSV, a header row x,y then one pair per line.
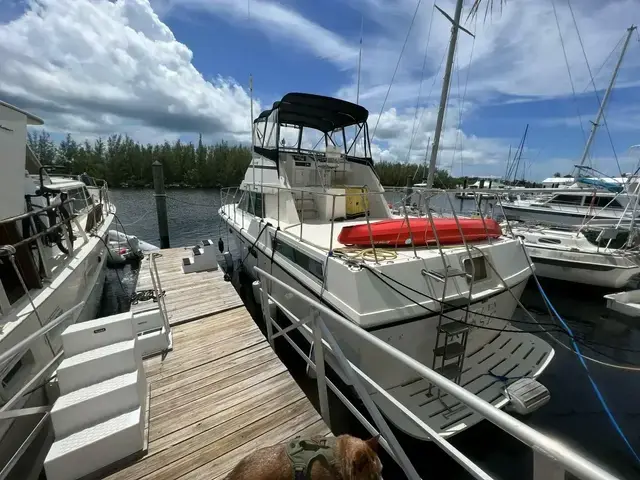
x,y
449,351
96,447
85,336
90,405
97,365
155,341
203,258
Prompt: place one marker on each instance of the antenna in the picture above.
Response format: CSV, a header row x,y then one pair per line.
x,y
359,60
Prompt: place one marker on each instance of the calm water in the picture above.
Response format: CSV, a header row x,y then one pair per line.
x,y
573,415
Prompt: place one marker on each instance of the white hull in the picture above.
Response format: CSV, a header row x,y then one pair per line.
x,y
81,280
575,268
569,216
569,256
417,338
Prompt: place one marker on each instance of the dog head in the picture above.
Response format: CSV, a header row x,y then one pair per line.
x,y
362,461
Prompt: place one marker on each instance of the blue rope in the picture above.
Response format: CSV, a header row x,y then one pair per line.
x,y
586,368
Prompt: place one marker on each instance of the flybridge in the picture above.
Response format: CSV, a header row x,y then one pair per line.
x,y
303,121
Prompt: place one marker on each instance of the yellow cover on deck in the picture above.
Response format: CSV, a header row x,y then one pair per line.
x,y
357,201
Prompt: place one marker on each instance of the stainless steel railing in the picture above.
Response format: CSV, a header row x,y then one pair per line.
x,y
555,457
159,293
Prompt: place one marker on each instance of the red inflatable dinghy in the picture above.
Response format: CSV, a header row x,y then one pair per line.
x,y
395,232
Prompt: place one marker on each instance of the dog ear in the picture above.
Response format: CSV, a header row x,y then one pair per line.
x,y
360,461
374,443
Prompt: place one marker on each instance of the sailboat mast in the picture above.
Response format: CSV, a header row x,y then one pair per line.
x,y
603,104
445,90
253,139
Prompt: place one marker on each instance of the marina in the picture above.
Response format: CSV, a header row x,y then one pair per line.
x,y
486,331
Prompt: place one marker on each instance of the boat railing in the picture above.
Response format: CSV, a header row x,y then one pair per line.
x,y
551,458
229,196
159,294
7,411
30,230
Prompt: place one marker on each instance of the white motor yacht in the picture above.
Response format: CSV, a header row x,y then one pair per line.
x,y
296,215
52,258
603,257
577,206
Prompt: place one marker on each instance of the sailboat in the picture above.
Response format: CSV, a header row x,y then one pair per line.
x,y
587,232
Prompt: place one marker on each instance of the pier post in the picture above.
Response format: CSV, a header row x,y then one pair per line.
x,y
408,190
161,203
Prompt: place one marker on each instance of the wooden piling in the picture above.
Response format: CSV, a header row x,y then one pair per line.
x,y
161,203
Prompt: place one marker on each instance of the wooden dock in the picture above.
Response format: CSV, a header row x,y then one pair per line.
x,y
221,393
187,296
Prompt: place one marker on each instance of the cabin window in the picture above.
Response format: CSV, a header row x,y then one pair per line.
x,y
602,202
78,198
567,200
475,268
253,203
553,241
304,261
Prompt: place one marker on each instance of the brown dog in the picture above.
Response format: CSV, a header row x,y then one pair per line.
x,y
317,458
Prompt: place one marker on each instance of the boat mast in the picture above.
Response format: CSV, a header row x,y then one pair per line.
x,y
603,104
455,21
253,139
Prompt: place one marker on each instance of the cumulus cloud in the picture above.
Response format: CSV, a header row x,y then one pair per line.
x,y
101,67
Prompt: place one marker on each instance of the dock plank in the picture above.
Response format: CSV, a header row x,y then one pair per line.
x,y
220,394
187,296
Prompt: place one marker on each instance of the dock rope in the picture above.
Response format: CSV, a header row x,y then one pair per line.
x,y
603,402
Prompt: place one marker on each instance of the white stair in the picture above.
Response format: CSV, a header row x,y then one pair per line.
x,y
96,447
100,417
97,365
152,335
203,257
85,336
96,403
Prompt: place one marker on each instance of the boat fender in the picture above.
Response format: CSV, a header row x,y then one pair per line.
x,y
228,265
220,245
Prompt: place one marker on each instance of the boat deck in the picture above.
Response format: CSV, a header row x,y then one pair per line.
x,y
187,296
220,394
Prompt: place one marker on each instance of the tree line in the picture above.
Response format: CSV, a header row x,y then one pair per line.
x,y
123,162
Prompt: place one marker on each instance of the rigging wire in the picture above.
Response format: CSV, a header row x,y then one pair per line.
x,y
464,96
384,277
566,61
404,45
595,90
424,64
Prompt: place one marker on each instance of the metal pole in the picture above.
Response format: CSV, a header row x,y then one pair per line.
x,y
445,92
318,356
161,203
596,123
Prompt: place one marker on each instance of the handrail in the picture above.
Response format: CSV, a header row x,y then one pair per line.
x,y
157,286
540,443
7,354
33,213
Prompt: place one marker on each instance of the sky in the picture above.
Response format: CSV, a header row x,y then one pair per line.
x,y
166,69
